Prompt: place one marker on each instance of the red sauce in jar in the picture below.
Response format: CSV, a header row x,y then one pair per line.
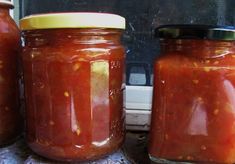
x,y
193,117
10,119
74,92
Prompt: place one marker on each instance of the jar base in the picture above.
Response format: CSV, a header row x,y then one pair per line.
x,y
60,156
73,159
165,161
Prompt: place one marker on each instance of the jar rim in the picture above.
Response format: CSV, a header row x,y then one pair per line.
x,y
72,20
191,31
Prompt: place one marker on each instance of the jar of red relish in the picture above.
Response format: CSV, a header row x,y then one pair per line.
x,y
193,113
73,72
10,118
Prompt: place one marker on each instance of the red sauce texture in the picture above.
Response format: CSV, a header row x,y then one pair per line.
x,y
10,118
74,92
193,117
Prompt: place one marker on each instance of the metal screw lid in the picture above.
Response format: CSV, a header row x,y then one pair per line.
x,y
207,32
7,2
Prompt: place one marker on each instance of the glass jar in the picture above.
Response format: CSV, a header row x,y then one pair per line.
x,y
10,118
73,72
193,113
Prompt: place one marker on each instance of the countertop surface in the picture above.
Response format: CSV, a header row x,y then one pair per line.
x,y
133,151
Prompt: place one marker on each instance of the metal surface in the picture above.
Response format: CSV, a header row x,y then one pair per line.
x,y
134,151
18,153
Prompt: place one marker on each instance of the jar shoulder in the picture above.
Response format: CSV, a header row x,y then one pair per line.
x,y
8,25
9,33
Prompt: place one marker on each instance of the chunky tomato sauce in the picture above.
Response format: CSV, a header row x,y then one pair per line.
x,y
10,119
193,115
74,92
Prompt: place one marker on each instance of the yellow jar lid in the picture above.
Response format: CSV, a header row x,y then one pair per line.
x,y
72,20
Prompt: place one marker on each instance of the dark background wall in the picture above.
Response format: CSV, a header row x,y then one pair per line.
x,y
142,17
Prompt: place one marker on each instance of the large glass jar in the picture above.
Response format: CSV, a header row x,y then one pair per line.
x,y
193,114
73,72
10,119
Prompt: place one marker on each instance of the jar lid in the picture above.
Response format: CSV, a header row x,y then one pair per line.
x,y
72,20
208,32
7,2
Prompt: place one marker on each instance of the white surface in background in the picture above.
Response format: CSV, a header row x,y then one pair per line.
x,y
12,11
138,107
138,120
139,97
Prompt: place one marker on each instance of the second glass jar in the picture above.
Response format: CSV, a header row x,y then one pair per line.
x,y
73,72
193,117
